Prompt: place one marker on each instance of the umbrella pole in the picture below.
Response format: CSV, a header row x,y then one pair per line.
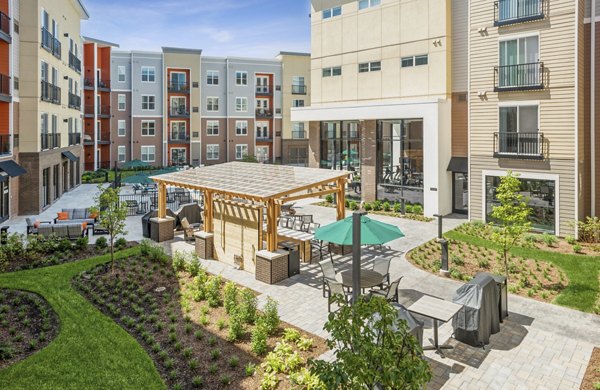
x,y
356,249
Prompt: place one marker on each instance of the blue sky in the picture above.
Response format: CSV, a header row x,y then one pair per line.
x,y
248,28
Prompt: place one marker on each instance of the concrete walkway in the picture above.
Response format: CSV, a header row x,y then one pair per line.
x,y
539,346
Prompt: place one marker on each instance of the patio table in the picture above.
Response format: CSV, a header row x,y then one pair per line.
x,y
368,278
438,310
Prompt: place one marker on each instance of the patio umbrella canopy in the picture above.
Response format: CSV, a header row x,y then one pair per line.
x,y
137,179
135,164
372,232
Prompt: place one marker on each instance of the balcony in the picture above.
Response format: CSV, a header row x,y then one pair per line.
x,y
298,89
298,134
176,138
5,146
50,93
264,90
179,112
103,84
50,140
103,112
264,113
263,136
508,12
525,146
74,63
5,28
179,87
74,101
5,88
103,138
521,77
57,48
74,139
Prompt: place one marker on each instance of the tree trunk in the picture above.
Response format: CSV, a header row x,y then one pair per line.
x,y
112,255
506,263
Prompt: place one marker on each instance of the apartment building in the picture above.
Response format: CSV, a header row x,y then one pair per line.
x,y
241,109
529,109
97,103
49,107
382,97
295,68
138,95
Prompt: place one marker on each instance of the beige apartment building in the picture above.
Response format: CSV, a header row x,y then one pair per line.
x,y
50,101
384,98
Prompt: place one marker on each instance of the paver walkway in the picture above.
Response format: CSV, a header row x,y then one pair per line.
x,y
539,346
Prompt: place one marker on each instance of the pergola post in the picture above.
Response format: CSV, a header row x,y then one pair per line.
x,y
208,212
271,225
162,200
341,199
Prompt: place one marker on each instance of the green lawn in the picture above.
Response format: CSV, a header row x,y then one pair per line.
x,y
582,271
91,351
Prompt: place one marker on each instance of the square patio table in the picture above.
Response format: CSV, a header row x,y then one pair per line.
x,y
438,310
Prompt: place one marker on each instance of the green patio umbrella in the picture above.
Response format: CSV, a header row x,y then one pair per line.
x,y
140,178
135,164
372,232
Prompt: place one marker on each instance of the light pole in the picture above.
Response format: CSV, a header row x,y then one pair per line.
x,y
356,253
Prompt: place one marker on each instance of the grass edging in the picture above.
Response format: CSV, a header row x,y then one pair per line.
x,y
582,271
90,351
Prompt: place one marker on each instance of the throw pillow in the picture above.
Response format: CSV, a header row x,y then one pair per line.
x,y
36,224
63,216
84,225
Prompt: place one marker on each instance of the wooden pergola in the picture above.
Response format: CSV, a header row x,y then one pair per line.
x,y
272,185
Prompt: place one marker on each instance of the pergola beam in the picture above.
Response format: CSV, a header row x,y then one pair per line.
x,y
308,195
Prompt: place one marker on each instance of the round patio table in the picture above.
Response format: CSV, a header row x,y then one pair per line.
x,y
368,278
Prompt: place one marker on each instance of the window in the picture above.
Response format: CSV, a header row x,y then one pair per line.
x,y
4,200
121,73
212,104
121,128
212,152
241,104
362,4
262,130
178,156
148,74
148,128
44,123
212,77
148,153
298,156
212,127
148,102
331,12
519,60
298,130
415,60
179,106
45,187
369,67
178,132
519,131
241,151
241,78
297,103
298,80
121,102
121,153
241,127
333,71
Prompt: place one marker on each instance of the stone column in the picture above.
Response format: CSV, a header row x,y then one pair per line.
x,y
314,144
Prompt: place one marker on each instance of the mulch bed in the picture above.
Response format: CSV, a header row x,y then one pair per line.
x,y
147,300
591,379
27,324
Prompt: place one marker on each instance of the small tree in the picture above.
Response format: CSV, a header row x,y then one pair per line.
x,y
111,215
511,216
372,348
249,159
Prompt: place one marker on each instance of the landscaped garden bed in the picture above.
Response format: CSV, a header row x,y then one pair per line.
x,y
199,330
27,324
391,209
591,379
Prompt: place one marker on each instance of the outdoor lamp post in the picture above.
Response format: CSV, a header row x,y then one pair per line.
x,y
440,218
356,253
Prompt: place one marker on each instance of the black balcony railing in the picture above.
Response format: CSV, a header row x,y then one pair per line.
x,y
299,89
103,84
179,138
87,82
5,146
4,85
74,101
50,92
47,40
57,48
263,135
264,113
179,112
298,134
519,145
264,89
74,62
517,11
4,23
50,140
179,86
521,77
74,139
104,112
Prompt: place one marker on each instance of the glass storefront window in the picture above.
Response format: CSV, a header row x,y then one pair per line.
x,y
340,145
541,200
400,160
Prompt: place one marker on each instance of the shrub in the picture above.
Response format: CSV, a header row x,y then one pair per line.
x,y
456,260
234,361
549,239
306,380
346,203
483,263
408,208
291,335
247,307
215,354
571,240
221,324
417,209
7,351
386,206
194,265
101,243
225,379
269,381
120,243
329,198
377,205
397,207
258,341
353,205
368,206
179,261
250,369
230,296
577,248
236,328
197,381
532,238
81,243
270,316
213,291
589,230
305,343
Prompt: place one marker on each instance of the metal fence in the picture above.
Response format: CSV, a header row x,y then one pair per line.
x,y
146,199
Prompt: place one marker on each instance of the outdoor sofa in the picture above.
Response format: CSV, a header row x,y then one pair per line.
x,y
72,231
80,216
